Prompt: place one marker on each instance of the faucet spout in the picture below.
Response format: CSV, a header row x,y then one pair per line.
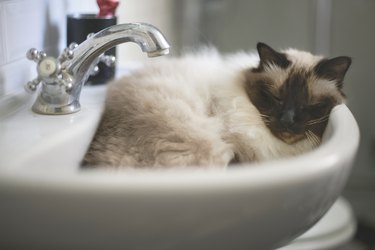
x,y
86,55
62,78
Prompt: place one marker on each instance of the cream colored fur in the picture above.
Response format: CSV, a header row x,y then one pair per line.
x,y
191,111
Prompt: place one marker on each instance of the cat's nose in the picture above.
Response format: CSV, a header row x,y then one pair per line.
x,y
287,118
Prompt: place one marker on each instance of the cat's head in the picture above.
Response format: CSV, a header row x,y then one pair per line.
x,y
295,91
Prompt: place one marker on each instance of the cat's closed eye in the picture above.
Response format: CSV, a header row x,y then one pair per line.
x,y
318,105
318,109
267,93
278,100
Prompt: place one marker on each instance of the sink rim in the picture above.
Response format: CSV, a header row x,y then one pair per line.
x,y
329,156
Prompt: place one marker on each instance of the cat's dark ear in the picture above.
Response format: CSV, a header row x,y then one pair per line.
x,y
269,56
333,69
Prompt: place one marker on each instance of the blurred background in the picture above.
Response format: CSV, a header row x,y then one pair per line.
x,y
326,27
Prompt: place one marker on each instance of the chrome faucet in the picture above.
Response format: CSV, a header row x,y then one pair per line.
x,y
62,78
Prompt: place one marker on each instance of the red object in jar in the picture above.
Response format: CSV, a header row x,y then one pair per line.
x,y
107,7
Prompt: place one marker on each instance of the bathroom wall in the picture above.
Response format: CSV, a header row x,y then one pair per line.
x,y
353,34
231,25
41,24
158,13
25,24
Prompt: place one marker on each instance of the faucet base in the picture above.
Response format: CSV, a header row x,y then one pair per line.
x,y
56,110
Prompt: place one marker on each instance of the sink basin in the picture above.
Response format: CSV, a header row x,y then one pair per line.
x,y
50,142
47,202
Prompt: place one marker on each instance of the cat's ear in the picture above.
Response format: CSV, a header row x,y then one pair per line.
x,y
333,69
269,56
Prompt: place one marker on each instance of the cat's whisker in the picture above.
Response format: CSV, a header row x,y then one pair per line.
x,y
315,138
324,118
312,137
308,137
319,120
314,123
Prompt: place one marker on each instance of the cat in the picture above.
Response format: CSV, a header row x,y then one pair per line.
x,y
210,110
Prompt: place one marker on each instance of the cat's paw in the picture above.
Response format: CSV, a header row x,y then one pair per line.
x,y
195,153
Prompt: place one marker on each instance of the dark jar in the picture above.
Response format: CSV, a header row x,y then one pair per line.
x,y
78,27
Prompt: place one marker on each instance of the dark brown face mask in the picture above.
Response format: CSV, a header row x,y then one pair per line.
x,y
292,110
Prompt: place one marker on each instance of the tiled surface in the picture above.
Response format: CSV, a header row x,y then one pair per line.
x,y
21,28
55,27
15,75
41,24
24,23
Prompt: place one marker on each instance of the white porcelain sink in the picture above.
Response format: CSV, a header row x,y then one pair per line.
x,y
50,142
47,202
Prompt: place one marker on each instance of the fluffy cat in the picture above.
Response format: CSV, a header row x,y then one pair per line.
x,y
210,110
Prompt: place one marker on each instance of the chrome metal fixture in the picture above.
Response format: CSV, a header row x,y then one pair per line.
x,y
62,78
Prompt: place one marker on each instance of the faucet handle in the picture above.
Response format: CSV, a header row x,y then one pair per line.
x,y
108,60
49,69
32,86
35,55
68,53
